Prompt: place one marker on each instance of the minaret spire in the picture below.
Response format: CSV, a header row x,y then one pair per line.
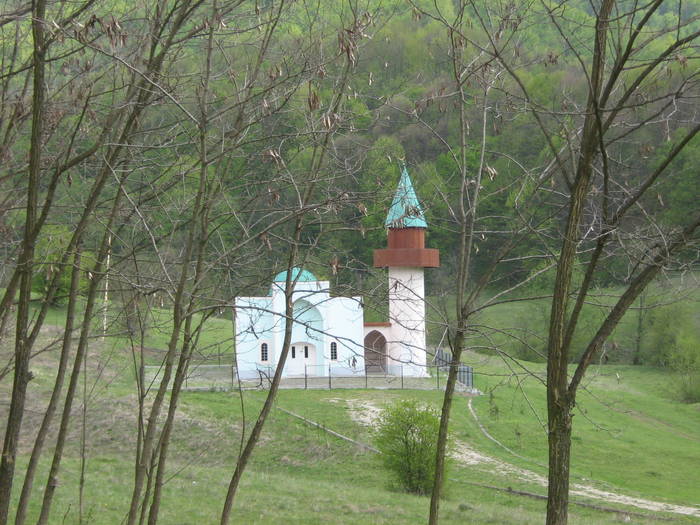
x,y
405,210
405,257
407,225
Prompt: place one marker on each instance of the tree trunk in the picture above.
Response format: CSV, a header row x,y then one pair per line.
x,y
52,481
559,459
274,386
639,336
200,231
21,514
443,432
469,205
25,267
144,459
162,451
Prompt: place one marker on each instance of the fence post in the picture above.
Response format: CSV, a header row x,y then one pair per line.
x,y
233,377
401,377
365,378
437,369
330,387
306,386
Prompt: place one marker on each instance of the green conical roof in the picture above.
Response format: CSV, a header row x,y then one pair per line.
x,y
405,211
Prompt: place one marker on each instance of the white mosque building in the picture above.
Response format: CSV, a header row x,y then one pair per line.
x,y
329,334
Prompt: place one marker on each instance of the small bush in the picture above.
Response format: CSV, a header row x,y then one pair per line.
x,y
407,437
674,342
689,387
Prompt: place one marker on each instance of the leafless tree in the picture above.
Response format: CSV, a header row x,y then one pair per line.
x,y
159,143
310,183
478,87
81,30
604,190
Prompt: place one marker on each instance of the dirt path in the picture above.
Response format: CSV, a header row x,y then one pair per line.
x,y
579,489
366,413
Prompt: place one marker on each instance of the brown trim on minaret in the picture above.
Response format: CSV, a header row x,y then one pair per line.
x,y
404,238
407,249
407,257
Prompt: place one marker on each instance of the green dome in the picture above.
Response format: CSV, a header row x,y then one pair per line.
x,y
301,276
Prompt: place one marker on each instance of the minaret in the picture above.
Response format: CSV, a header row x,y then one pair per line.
x,y
406,257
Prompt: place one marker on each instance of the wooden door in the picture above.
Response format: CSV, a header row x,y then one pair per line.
x,y
375,353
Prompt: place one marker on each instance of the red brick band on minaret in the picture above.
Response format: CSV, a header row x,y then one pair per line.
x,y
406,238
407,249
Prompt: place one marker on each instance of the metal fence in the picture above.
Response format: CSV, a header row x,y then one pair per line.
x,y
199,377
443,361
224,378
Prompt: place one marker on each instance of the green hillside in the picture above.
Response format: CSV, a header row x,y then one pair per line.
x,y
161,159
631,438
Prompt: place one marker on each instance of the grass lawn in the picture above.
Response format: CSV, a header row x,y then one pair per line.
x,y
298,474
630,436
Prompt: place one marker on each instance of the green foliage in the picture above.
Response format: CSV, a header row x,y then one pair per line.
x,y
662,340
49,251
674,342
685,359
679,185
528,342
361,116
407,437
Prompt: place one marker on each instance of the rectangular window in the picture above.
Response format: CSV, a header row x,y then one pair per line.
x,y
306,352
294,352
263,352
334,351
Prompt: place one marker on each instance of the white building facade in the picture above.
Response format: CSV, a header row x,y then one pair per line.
x,y
329,335
327,331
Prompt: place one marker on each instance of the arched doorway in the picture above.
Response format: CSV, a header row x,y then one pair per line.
x,y
375,353
306,338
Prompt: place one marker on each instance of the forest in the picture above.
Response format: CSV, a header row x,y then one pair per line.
x,y
161,158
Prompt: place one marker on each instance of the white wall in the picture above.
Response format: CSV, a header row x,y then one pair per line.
x,y
261,319
254,325
407,314
344,325
321,320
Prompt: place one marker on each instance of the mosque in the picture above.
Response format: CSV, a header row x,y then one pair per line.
x,y
329,334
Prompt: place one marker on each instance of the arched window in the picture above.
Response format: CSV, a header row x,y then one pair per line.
x,y
334,351
263,352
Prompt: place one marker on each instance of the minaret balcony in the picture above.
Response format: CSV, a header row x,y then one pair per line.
x,y
407,257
